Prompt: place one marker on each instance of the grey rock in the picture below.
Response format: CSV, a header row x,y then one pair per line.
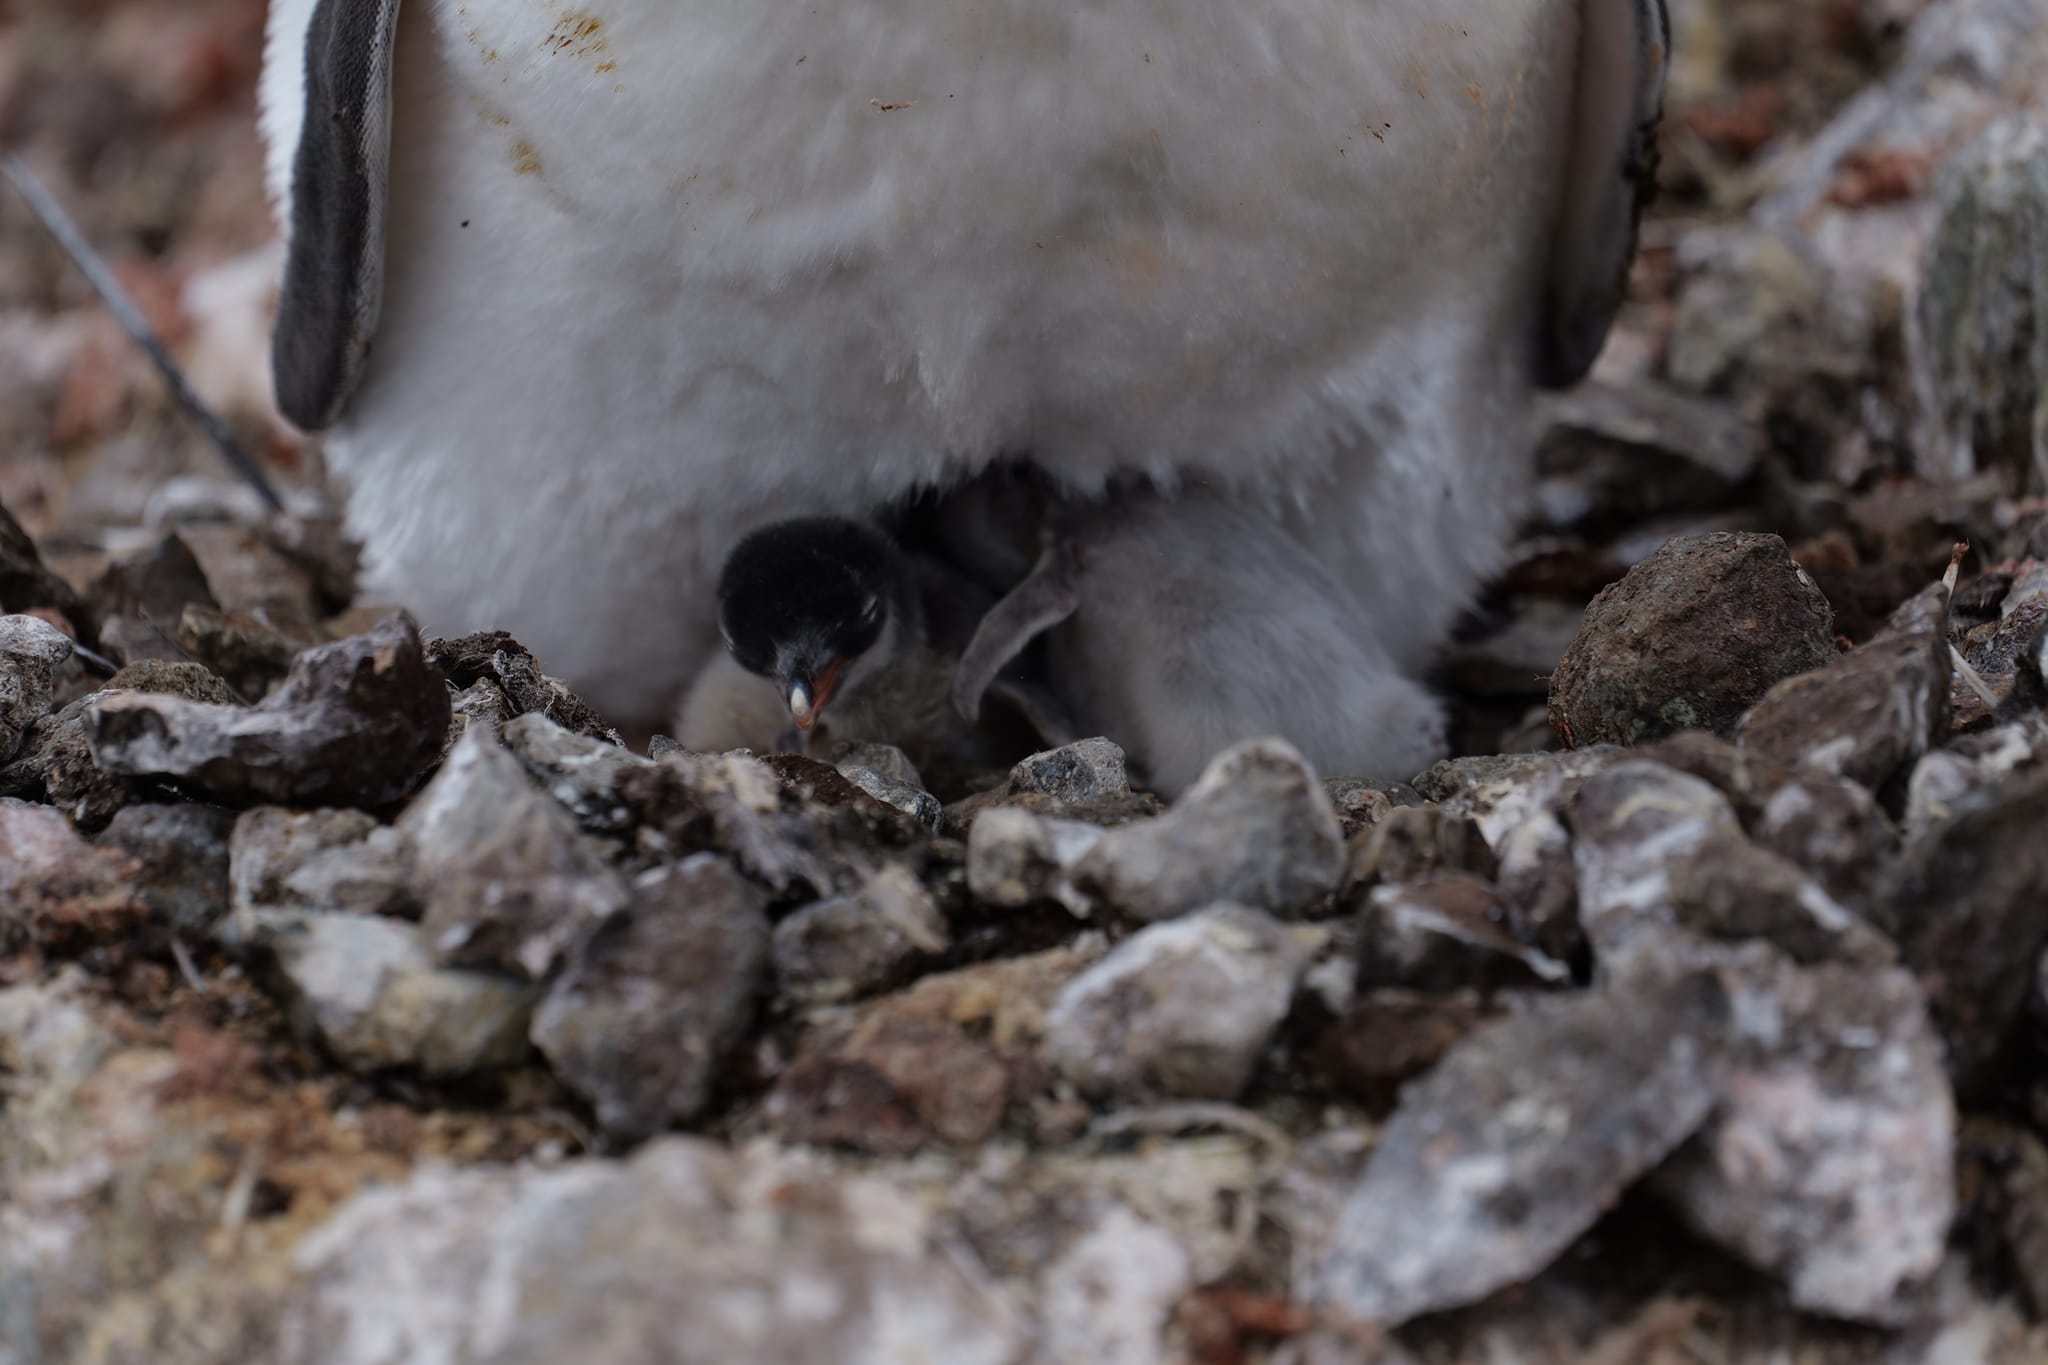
x,y
1517,1142
1727,888
481,704
1446,933
1410,843
914,801
1964,902
1090,770
1616,454
1830,1162
1872,712
26,583
1831,828
1630,826
30,650
356,723
1972,771
1690,640
496,657
367,989
2000,678
1016,859
248,655
1980,370
182,854
59,891
685,1252
580,772
661,746
505,877
854,945
884,760
1179,1010
651,1009
318,861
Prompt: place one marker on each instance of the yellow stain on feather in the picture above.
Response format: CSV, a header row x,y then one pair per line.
x,y
525,160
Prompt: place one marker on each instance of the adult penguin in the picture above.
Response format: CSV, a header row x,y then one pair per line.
x,y
582,295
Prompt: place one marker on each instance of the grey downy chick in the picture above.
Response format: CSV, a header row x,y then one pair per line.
x,y
1181,624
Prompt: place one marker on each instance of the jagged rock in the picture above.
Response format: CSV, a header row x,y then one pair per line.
x,y
1830,1161
356,723
1631,825
26,583
138,602
1964,902
58,890
1829,827
1076,774
497,657
248,655
1978,363
1109,1294
1255,830
505,877
652,1006
2003,1187
854,945
914,801
182,857
1726,888
1517,1142
1872,712
30,650
1972,770
368,990
1410,843
320,861
1689,640
1446,933
582,773
2003,679
763,1256
940,1062
1387,1038
884,760
1180,1010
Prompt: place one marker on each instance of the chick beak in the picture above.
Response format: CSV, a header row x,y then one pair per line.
x,y
808,693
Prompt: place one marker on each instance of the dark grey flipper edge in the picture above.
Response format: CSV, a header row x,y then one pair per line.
x,y
1046,597
1610,177
334,262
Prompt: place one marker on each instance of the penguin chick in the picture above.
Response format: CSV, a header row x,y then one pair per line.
x,y
836,615
1182,624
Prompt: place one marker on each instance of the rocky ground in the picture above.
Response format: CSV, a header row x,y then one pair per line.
x,y
364,999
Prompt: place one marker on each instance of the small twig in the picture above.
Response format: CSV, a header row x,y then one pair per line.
x,y
101,277
1972,678
96,661
187,968
1955,565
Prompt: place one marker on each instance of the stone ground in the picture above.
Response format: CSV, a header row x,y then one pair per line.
x,y
364,999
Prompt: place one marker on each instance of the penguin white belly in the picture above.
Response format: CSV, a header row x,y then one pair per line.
x,y
660,270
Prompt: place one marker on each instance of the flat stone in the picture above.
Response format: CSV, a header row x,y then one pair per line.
x,y
854,945
356,723
1690,640
1516,1143
1180,1010
367,989
914,801
1077,774
649,1012
505,877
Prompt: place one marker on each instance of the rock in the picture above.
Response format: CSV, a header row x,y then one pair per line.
x,y
1830,1161
1689,640
649,1012
915,802
1978,366
1076,774
1831,828
857,944
1971,771
505,877
140,600
1410,843
181,853
1614,455
2001,680
248,655
1631,825
356,723
1728,889
939,1062
765,1257
1255,830
1181,1010
1389,1037
319,861
1447,933
2003,1187
368,990
661,746
1516,1143
1964,902
57,890
884,760
1111,1294
497,657
580,772
30,650
1871,712
173,678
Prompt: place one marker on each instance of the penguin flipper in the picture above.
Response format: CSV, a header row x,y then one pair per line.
x,y
334,258
1609,174
1046,597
